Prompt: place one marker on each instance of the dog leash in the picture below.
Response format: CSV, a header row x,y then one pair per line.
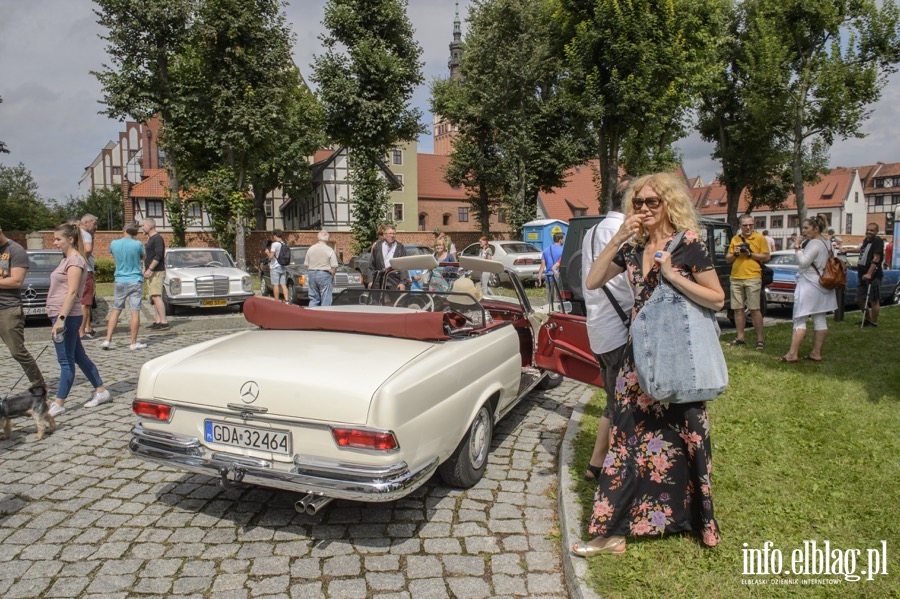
x,y
23,374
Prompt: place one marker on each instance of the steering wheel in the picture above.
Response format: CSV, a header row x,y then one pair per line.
x,y
417,301
214,263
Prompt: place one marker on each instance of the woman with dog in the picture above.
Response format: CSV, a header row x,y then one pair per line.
x,y
66,287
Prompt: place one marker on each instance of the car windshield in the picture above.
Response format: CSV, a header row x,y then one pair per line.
x,y
434,293
417,250
298,255
519,248
790,259
43,261
199,258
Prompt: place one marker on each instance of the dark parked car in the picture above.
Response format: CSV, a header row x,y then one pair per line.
x,y
37,281
361,262
297,277
718,235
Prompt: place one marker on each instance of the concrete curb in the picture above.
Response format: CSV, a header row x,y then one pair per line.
x,y
574,568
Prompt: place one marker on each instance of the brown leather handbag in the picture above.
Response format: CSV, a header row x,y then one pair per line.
x,y
835,272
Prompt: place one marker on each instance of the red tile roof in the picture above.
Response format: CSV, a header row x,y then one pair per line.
x,y
579,194
154,185
869,172
431,169
832,190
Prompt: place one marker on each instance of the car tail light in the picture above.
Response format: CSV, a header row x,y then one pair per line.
x,y
566,295
364,439
152,410
301,280
521,261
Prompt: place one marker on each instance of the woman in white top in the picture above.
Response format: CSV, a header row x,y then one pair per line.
x,y
810,297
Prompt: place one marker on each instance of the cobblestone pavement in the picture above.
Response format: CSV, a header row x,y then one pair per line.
x,y
79,517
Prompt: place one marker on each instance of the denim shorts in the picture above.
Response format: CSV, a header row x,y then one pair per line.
x,y
133,292
278,276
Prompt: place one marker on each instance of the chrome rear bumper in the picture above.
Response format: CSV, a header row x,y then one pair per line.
x,y
338,480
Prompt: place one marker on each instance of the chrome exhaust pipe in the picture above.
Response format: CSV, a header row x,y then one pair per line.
x,y
300,506
317,503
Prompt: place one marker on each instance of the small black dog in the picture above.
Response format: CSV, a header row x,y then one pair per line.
x,y
34,401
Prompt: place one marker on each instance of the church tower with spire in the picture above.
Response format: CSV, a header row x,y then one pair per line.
x,y
443,130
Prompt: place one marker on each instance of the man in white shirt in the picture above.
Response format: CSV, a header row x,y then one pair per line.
x,y
606,326
321,263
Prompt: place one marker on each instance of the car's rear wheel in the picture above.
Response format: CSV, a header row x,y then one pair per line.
x,y
264,288
466,466
552,380
895,297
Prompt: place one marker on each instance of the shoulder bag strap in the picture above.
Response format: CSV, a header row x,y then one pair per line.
x,y
814,264
672,246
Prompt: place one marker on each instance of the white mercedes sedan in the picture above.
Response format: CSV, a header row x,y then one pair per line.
x,y
203,277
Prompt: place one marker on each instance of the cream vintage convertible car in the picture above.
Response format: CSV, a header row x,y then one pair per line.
x,y
432,374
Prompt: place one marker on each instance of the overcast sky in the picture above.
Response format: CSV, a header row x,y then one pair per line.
x,y
49,120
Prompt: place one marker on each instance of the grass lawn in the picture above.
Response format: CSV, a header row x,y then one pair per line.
x,y
802,452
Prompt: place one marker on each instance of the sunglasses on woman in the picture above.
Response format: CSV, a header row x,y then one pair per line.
x,y
651,203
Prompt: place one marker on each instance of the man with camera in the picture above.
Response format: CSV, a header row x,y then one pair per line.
x,y
746,253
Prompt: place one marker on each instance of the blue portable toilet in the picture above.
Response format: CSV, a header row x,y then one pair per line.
x,y
540,232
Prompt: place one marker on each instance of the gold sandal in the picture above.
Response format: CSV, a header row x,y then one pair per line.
x,y
613,546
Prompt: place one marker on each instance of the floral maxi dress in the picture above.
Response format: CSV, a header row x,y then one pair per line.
x,y
656,477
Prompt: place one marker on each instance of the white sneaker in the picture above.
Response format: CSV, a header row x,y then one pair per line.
x,y
56,409
98,399
137,345
104,345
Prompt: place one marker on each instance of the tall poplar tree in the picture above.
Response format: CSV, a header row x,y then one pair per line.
x,y
245,108
752,154
515,131
634,69
366,78
814,67
144,39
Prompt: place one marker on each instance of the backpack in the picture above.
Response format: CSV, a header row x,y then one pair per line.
x,y
284,254
835,272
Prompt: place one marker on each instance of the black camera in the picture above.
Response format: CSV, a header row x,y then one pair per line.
x,y
744,248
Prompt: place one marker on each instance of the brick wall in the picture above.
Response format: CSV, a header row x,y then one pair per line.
x,y
342,241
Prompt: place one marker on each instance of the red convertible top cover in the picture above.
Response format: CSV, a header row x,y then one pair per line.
x,y
420,326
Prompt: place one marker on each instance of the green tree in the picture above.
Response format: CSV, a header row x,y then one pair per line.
x,y
516,132
103,202
21,206
245,105
286,165
752,155
145,39
366,79
814,67
634,70
216,191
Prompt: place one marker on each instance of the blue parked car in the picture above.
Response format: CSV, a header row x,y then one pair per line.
x,y
784,263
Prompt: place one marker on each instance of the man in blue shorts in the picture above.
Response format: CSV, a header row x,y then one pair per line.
x,y
549,258
128,253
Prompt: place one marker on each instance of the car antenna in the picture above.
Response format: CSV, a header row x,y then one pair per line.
x,y
23,374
